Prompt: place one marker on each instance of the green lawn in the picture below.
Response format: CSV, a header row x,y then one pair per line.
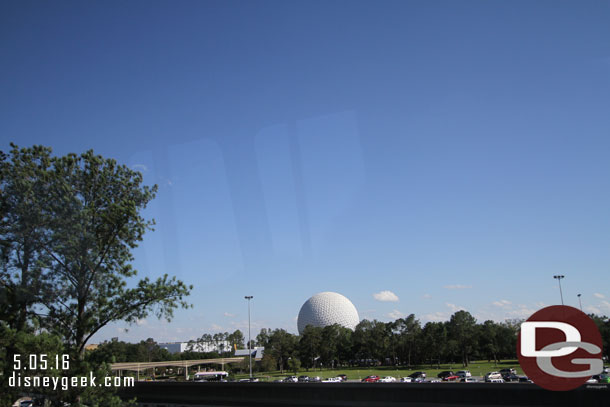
x,y
478,368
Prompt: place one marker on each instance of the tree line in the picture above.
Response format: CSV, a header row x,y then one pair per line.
x,y
403,342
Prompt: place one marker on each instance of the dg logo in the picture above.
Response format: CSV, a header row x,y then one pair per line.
x,y
559,348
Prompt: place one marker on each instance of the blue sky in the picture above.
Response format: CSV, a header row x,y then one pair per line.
x,y
454,154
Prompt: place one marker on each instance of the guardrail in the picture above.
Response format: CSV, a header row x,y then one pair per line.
x,y
157,394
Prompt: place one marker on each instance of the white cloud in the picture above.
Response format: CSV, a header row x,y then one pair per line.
x,y
395,314
426,296
454,308
140,167
216,327
602,308
501,303
386,296
598,295
141,322
229,315
436,317
443,315
457,287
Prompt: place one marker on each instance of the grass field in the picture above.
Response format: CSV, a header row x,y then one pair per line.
x,y
478,368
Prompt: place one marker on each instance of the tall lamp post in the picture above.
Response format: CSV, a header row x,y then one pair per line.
x,y
579,302
249,297
559,277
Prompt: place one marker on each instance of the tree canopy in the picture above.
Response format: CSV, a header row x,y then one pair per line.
x,y
68,226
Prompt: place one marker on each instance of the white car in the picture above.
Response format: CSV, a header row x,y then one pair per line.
x,y
406,379
464,373
387,379
291,379
332,380
493,377
468,380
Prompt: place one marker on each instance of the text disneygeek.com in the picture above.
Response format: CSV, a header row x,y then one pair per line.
x,y
64,383
44,362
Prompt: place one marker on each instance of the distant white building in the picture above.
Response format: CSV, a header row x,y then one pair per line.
x,y
179,347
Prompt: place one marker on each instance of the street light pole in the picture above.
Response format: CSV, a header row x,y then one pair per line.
x,y
559,277
249,297
579,302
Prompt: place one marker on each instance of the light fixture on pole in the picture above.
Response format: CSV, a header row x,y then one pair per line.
x,y
249,297
559,277
579,302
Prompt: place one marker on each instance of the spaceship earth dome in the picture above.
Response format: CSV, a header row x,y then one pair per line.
x,y
327,308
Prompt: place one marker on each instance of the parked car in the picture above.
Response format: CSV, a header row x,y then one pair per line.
x,y
444,374
342,377
493,376
406,379
303,379
508,371
468,380
524,379
601,378
417,375
452,378
332,380
606,370
291,379
370,379
509,377
464,373
315,379
387,379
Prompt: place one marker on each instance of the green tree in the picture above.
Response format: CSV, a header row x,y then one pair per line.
x,y
435,337
309,346
489,340
23,195
281,345
67,229
462,329
94,208
409,330
294,364
603,324
236,339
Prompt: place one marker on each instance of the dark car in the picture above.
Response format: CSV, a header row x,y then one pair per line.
x,y
508,371
444,374
370,379
602,378
303,379
524,379
342,377
510,377
417,375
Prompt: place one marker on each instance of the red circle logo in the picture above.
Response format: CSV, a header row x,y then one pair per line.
x,y
560,348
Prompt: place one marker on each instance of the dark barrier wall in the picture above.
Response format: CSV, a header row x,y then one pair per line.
x,y
361,394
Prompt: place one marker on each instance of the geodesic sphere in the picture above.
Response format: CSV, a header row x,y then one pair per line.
x,y
326,309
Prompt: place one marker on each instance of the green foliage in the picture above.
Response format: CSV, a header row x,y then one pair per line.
x,y
294,364
68,226
603,324
461,328
24,342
